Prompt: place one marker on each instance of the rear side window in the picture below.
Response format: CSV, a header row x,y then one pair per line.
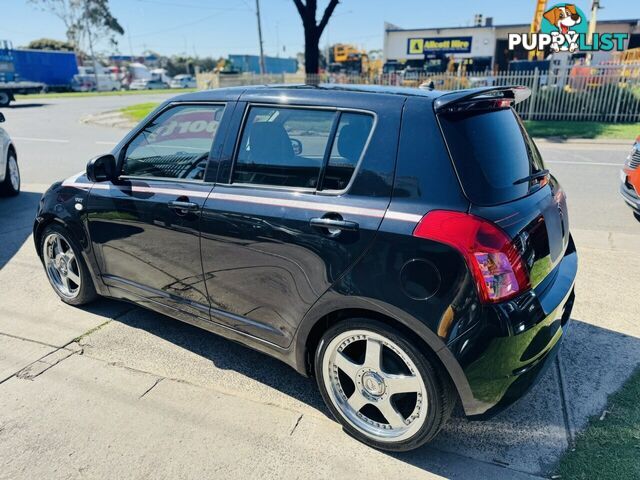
x,y
176,144
491,152
348,146
283,146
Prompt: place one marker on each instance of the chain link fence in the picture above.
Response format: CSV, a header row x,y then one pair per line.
x,y
604,93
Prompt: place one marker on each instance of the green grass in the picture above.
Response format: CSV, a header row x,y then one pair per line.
x,y
609,448
138,111
539,128
103,94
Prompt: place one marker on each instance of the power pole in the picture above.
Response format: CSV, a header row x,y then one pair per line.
x,y
263,70
595,5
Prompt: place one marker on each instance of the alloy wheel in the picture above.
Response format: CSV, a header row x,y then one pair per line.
x,y
375,385
14,173
62,265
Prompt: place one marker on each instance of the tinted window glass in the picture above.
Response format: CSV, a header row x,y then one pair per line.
x,y
491,151
351,138
283,147
174,145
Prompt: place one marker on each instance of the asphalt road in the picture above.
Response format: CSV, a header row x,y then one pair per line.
x,y
113,390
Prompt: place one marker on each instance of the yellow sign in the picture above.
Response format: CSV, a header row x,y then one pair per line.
x,y
416,45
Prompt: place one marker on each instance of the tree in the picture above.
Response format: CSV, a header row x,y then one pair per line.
x,y
86,21
313,31
50,44
178,64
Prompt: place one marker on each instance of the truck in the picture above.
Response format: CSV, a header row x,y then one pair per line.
x,y
10,82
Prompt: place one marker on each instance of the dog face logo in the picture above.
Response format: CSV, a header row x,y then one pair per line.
x,y
564,18
564,28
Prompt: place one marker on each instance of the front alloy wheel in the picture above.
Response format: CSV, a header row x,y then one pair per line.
x,y
380,387
65,267
62,266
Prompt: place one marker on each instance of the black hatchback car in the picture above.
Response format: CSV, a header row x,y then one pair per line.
x,y
407,248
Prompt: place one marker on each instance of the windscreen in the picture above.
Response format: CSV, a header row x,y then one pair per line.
x,y
492,153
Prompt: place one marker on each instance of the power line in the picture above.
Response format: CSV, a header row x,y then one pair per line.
x,y
189,5
177,27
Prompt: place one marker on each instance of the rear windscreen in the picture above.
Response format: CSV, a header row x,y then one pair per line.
x,y
491,152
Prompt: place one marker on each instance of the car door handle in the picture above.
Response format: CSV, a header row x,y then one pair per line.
x,y
183,207
334,224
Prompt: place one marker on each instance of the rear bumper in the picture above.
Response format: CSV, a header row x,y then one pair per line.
x,y
510,348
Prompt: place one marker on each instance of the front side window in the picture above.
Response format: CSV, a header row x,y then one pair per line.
x,y
283,147
176,144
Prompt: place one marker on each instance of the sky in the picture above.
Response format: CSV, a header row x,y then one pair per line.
x,y
220,27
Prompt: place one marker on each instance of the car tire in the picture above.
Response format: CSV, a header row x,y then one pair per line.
x,y
403,384
637,215
65,267
5,99
10,186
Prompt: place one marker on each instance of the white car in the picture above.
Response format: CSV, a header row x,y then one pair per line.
x,y
148,84
9,172
183,81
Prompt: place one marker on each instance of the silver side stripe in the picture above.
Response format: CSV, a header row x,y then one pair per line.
x,y
170,191
275,202
302,204
405,217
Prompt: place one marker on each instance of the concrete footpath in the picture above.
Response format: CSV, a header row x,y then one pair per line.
x,y
116,391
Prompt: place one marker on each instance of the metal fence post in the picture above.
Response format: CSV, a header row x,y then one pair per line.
x,y
619,93
534,92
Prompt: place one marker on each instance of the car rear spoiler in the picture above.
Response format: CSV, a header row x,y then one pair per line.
x,y
514,93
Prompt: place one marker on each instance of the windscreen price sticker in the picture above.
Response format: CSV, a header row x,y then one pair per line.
x,y
200,124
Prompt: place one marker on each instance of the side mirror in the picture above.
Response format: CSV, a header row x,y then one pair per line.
x,y
102,168
2,119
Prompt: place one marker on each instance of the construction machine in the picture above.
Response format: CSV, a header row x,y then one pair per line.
x,y
541,6
348,59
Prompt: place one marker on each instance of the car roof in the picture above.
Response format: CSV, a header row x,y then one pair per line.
x,y
340,95
301,89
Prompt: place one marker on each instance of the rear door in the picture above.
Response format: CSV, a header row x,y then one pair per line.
x,y
503,175
302,197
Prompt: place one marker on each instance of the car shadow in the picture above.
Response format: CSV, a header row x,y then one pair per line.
x,y
16,106
225,354
527,438
16,222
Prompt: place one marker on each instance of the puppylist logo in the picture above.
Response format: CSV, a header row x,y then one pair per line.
x,y
564,28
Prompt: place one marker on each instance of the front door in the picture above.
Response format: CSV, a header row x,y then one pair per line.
x,y
145,226
303,200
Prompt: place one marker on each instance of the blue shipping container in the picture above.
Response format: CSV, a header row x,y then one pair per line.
x,y
251,63
54,69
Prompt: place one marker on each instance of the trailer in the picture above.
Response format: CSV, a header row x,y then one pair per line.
x,y
53,68
29,71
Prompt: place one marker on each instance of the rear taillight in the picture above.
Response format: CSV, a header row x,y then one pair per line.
x,y
495,263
